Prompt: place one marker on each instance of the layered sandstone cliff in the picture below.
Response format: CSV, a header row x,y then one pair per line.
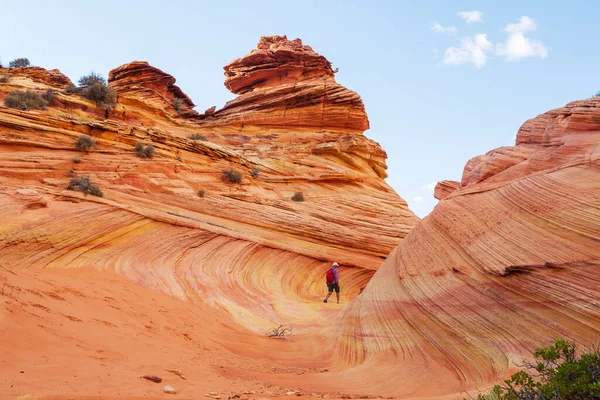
x,y
507,261
246,247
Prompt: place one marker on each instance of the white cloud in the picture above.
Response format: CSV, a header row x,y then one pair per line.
x,y
418,199
429,186
471,16
450,30
525,24
472,50
519,46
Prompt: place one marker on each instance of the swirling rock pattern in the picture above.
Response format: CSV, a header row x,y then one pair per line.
x,y
506,262
235,262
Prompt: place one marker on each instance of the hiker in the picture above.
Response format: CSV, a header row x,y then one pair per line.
x,y
332,278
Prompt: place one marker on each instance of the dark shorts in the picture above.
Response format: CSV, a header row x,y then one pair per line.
x,y
333,286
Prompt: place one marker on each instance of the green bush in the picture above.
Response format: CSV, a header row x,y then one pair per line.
x,y
24,100
93,87
232,175
4,79
255,172
201,193
85,185
19,63
144,150
597,94
85,142
557,374
298,196
197,136
49,96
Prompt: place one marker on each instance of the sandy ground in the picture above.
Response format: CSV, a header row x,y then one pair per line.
x,y
80,333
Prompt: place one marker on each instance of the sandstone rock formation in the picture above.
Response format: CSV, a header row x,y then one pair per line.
x,y
154,277
444,188
238,260
505,263
284,84
138,80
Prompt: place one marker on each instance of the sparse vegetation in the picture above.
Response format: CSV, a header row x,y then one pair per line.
x,y
178,105
280,332
93,87
24,100
201,193
232,175
4,79
71,89
556,374
144,150
76,160
85,185
85,142
197,136
298,196
49,96
19,63
255,172
597,94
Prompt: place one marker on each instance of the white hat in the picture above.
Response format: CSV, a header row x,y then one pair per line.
x,y
334,264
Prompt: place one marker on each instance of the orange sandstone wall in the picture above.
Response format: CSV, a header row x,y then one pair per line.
x,y
509,260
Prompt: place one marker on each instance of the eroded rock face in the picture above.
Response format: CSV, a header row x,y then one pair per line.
x,y
444,188
139,81
239,257
500,267
38,75
286,85
276,61
349,214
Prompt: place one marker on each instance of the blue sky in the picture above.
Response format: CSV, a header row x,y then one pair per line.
x,y
437,91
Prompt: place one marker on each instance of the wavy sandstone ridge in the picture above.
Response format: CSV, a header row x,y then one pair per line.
x,y
240,259
507,261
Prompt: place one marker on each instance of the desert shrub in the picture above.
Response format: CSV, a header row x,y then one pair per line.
x,y
556,374
144,150
93,87
201,193
85,142
197,136
178,105
298,196
24,100
85,185
597,94
280,332
91,79
232,175
71,89
4,79
255,172
49,96
76,160
19,63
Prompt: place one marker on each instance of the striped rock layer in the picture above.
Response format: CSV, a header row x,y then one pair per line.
x,y
239,258
509,260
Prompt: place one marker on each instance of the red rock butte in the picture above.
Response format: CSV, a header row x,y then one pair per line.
x,y
178,269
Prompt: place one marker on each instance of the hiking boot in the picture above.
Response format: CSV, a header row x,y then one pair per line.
x,y
325,301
